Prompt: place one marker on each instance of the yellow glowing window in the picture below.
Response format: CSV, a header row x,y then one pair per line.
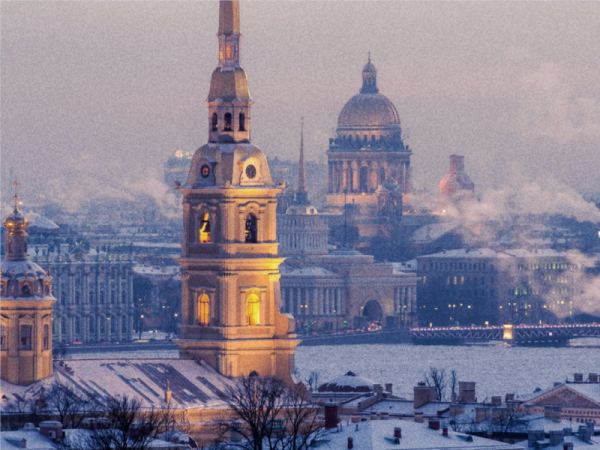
x,y
203,310
220,52
228,52
252,310
204,237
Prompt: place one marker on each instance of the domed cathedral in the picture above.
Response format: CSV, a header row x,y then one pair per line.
x,y
369,172
230,265
25,309
368,149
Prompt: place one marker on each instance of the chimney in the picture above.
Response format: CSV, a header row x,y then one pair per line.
x,y
533,436
593,378
456,410
397,432
466,391
373,415
51,429
350,443
445,430
496,400
578,378
567,446
419,417
552,412
556,437
434,424
378,389
481,414
453,398
590,430
388,388
423,394
489,435
385,416
509,397
331,415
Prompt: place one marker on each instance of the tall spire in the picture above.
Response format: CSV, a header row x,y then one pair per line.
x,y
301,193
229,98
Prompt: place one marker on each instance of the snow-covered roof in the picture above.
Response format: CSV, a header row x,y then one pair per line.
x,y
193,384
350,382
378,435
153,271
406,408
44,223
465,253
406,266
306,271
431,232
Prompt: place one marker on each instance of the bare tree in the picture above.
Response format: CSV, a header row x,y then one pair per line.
x,y
437,378
313,380
70,406
453,382
269,415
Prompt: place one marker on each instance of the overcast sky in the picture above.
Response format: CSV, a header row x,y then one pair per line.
x,y
97,95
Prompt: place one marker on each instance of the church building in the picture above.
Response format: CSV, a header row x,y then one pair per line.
x,y
25,309
230,265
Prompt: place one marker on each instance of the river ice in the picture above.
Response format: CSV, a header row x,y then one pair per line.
x,y
497,368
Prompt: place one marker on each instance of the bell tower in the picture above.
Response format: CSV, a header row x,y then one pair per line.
x,y
230,267
25,308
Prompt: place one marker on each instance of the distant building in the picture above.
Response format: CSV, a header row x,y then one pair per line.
x,y
341,288
94,292
177,167
456,185
486,287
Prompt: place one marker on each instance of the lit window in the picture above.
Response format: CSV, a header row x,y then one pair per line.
x,y
228,52
252,310
204,235
203,310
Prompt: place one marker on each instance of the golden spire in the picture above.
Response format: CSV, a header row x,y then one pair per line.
x,y
16,197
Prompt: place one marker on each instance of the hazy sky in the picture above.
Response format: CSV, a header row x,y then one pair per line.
x,y
97,95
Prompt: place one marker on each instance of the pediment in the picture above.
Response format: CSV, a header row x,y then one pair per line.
x,y
565,397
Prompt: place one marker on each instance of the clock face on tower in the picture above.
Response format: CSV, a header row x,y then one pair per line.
x,y
250,171
205,171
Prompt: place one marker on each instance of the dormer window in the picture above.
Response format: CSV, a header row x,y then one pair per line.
x,y
227,124
251,229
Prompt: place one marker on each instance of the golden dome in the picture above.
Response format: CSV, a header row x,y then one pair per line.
x,y
369,110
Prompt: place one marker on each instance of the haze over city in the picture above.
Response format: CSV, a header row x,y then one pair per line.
x,y
96,95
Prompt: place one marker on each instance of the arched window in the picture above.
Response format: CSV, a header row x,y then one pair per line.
x,y
124,324
63,298
102,325
91,297
92,325
251,231
242,122
63,326
123,296
228,52
252,310
46,337
364,175
113,297
77,297
204,235
26,333
214,122
203,310
77,325
102,297
227,124
25,290
113,325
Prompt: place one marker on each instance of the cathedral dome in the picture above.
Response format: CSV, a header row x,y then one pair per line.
x,y
350,382
367,110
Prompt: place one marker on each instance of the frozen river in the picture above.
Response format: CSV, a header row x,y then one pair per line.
x,y
497,368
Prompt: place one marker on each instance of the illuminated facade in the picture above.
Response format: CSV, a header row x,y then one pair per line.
x,y
25,309
230,265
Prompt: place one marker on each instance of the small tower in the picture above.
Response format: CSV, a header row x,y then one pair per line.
x,y
25,308
230,266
